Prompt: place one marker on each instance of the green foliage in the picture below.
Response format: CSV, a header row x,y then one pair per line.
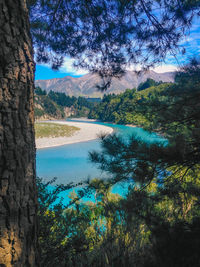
x,y
62,99
49,106
39,112
44,106
53,104
165,197
88,234
149,83
39,91
125,107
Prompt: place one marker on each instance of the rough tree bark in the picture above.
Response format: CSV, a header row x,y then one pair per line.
x,y
17,147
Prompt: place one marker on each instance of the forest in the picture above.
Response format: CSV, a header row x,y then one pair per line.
x,y
54,104
125,108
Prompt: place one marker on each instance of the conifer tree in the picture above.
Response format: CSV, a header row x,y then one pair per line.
x,y
165,191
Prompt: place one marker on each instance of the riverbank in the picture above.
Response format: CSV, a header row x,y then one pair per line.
x,y
133,125
87,132
52,130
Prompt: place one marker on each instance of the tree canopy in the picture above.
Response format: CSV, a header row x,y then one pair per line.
x,y
107,36
148,83
54,105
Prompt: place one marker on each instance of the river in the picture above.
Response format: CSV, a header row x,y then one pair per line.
x,y
70,163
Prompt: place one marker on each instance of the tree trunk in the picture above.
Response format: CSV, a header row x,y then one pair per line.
x,y
17,145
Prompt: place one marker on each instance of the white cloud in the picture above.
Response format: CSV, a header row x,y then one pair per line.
x,y
68,67
186,40
160,68
135,67
165,68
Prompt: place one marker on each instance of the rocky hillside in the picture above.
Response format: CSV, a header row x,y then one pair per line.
x,y
46,109
55,105
86,85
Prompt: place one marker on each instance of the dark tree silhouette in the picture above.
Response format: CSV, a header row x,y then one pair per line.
x,y
171,210
106,36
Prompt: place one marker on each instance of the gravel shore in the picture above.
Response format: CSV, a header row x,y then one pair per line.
x,y
88,131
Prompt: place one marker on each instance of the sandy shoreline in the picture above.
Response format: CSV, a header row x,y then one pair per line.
x,y
88,131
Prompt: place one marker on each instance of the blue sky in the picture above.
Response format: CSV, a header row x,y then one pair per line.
x,y
191,43
44,72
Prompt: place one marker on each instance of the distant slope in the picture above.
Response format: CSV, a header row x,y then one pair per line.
x,y
86,85
127,108
56,105
45,108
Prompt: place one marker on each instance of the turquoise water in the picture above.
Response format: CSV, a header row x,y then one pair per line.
x,y
70,163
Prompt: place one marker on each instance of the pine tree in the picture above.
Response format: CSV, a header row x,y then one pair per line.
x,y
18,198
165,178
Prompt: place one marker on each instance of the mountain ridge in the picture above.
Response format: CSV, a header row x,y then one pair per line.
x,y
86,85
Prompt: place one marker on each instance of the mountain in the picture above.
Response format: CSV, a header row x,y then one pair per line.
x,y
86,85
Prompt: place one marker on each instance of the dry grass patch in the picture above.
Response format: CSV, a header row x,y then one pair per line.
x,y
54,130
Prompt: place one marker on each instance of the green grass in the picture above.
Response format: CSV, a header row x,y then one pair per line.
x,y
54,130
